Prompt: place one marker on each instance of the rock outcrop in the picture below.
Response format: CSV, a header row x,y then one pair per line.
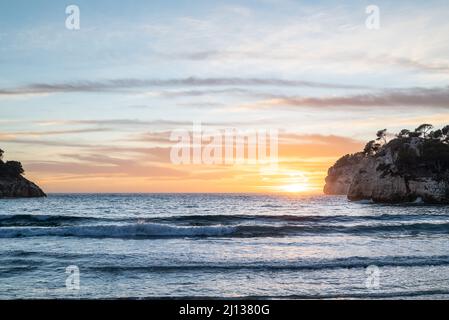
x,y
409,168
13,184
19,187
340,175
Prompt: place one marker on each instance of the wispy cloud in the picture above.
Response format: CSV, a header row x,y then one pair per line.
x,y
114,123
52,132
121,85
437,67
414,97
208,92
104,167
34,142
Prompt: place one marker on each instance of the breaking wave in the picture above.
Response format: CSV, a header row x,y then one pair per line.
x,y
139,230
158,230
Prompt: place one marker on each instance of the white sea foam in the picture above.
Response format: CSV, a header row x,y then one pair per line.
x,y
418,200
366,201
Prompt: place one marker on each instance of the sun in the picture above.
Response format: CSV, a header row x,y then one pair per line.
x,y
296,182
286,181
294,188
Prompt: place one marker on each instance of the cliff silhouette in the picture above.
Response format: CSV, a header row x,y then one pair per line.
x,y
12,182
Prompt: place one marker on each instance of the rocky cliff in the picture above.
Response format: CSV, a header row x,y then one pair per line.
x,y
13,184
414,166
340,175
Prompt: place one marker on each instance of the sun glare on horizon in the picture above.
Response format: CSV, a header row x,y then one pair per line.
x,y
296,182
294,188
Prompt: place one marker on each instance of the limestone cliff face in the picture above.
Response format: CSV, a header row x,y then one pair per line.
x,y
400,173
19,187
403,170
340,175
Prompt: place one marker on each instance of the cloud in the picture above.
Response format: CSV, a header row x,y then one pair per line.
x,y
52,133
198,93
300,146
113,122
129,123
437,67
201,105
125,168
403,62
122,85
290,145
11,139
415,97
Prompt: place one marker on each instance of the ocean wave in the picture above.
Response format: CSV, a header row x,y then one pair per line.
x,y
139,230
225,219
313,264
204,220
309,265
40,220
155,230
371,295
271,206
273,231
356,295
366,201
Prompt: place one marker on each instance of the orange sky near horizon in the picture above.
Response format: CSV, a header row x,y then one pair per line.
x,y
302,167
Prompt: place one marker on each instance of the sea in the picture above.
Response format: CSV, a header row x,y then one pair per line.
x,y
148,246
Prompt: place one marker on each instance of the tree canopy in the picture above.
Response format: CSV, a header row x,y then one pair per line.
x,y
424,132
382,135
424,129
10,168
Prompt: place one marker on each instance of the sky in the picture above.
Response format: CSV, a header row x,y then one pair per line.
x,y
92,110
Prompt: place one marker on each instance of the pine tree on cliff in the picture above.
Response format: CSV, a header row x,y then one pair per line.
x,y
371,147
424,129
10,168
382,135
405,133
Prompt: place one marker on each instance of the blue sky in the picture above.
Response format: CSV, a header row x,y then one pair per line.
x,y
307,67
